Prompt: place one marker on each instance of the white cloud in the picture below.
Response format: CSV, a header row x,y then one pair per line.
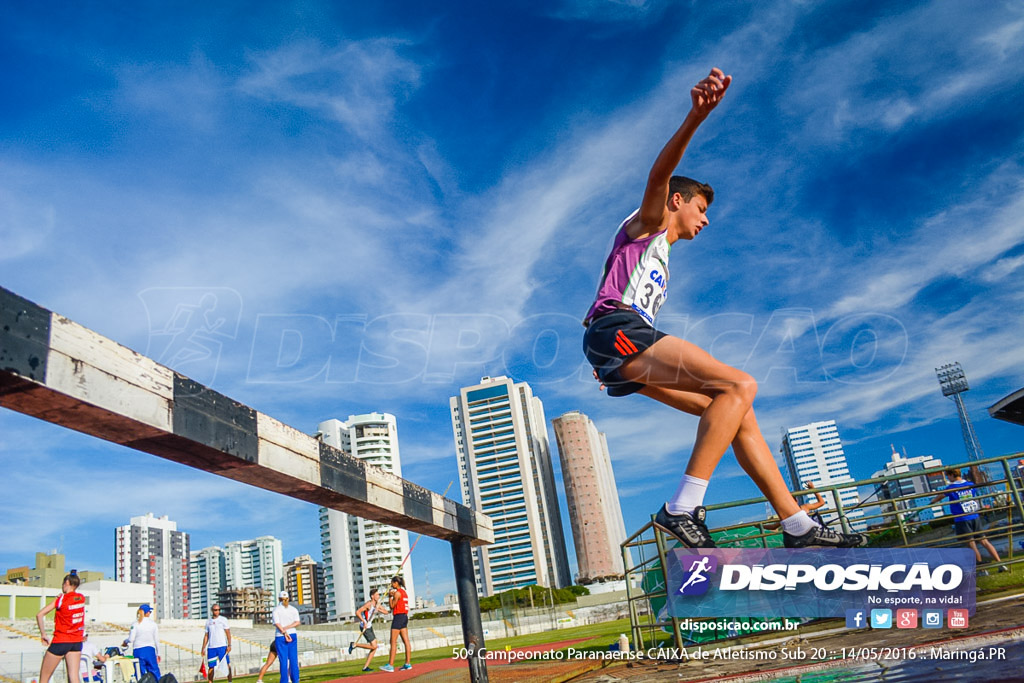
x,y
357,83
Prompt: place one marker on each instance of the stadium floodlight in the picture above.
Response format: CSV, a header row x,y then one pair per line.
x,y
952,379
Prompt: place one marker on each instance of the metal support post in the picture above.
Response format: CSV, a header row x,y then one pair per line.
x,y
469,610
659,539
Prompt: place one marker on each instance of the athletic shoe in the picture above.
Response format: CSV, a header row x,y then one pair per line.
x,y
406,667
824,537
366,668
387,667
351,646
688,528
1003,568
983,572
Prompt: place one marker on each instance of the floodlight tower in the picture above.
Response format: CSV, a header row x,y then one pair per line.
x,y
954,382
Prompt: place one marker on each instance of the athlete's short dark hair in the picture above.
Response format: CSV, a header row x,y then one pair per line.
x,y
399,580
953,472
374,592
690,188
73,579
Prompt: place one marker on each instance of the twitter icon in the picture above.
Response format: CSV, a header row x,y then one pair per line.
x,y
881,618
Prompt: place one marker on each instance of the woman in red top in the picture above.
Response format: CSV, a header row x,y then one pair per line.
x,y
68,629
399,601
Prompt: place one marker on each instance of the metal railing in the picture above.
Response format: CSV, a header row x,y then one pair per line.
x,y
896,521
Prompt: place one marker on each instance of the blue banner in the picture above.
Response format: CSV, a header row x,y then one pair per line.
x,y
817,582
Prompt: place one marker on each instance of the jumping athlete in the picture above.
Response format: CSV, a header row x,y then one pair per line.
x,y
369,609
217,637
630,355
399,603
68,630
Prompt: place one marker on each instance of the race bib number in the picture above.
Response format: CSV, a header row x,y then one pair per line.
x,y
969,506
649,283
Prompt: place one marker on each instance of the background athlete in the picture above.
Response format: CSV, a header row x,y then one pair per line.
x,y
630,356
68,630
366,613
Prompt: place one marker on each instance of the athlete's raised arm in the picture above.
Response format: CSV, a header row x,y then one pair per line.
x,y
704,97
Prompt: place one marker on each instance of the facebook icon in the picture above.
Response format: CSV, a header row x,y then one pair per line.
x,y
856,618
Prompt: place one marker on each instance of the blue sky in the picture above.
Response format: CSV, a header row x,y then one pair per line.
x,y
382,202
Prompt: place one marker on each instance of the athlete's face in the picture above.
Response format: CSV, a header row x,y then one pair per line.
x,y
690,216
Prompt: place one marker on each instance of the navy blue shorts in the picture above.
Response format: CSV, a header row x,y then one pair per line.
x,y
969,529
612,339
61,649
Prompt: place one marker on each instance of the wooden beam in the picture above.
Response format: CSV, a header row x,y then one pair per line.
x,y
56,370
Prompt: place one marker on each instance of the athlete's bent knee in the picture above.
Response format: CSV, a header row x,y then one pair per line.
x,y
743,387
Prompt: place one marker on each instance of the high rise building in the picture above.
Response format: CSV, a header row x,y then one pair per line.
x,y
814,453
151,550
304,581
595,515
505,471
359,554
206,580
256,563
890,491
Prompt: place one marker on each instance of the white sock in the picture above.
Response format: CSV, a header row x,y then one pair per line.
x,y
689,495
798,524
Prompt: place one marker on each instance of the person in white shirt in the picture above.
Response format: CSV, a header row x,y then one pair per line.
x,y
286,618
90,656
218,638
145,641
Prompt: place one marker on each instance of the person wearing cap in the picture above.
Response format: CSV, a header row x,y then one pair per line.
x,y
144,641
286,618
217,637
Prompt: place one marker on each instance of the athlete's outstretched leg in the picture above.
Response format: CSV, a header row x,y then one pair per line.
x,y
755,457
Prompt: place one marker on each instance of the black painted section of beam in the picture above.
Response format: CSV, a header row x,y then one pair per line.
x,y
343,473
24,336
416,502
207,417
465,522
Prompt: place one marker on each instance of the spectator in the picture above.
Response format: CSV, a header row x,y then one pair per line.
x,y
966,518
91,660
